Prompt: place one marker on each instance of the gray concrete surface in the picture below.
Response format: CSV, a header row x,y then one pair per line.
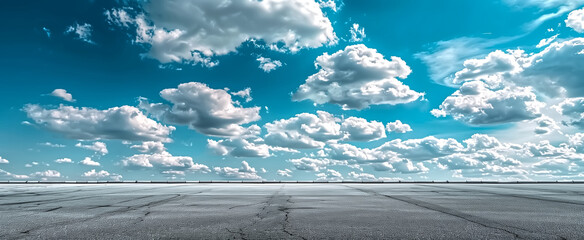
x,y
292,211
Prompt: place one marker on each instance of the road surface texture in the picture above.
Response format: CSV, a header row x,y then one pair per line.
x,y
291,211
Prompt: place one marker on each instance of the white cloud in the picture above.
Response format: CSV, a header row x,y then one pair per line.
x,y
173,172
83,32
554,71
194,32
476,104
244,172
4,174
63,94
357,77
89,162
98,147
150,147
46,174
163,160
545,125
245,94
209,111
447,57
481,141
31,164
124,123
267,64
285,173
362,176
238,147
546,41
307,130
560,6
93,174
119,17
556,167
329,175
483,156
310,164
357,33
492,69
3,160
575,20
574,109
398,127
328,4
422,149
53,145
64,160
359,129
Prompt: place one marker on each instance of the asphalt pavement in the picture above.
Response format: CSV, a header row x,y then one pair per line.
x,y
291,211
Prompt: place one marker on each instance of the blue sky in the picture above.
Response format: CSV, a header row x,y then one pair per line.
x,y
292,90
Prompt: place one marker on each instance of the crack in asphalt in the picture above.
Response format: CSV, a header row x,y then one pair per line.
x,y
24,233
518,233
286,222
272,206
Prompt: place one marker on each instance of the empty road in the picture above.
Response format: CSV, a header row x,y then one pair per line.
x,y
291,211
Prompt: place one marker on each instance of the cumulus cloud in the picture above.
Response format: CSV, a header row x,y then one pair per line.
x,y
124,123
93,174
554,71
574,109
194,32
238,147
556,166
244,172
398,127
98,147
150,147
163,160
3,160
307,130
356,78
357,33
285,173
48,174
310,164
422,149
329,175
206,110
359,129
267,64
83,32
63,94
362,176
476,104
575,20
64,160
89,162
483,156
